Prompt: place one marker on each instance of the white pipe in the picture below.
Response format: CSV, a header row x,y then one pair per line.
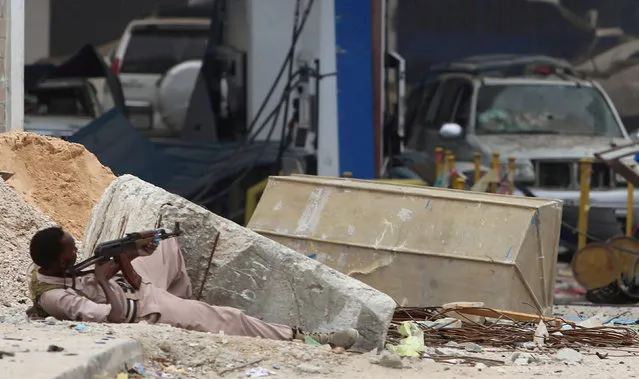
x,y
328,139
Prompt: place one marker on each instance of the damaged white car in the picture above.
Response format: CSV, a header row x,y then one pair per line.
x,y
545,119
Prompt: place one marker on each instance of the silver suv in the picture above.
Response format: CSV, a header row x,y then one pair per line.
x,y
543,116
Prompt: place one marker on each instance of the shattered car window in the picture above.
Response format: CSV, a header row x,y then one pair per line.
x,y
544,109
155,51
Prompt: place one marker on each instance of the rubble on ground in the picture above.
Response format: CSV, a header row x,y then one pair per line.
x,y
248,271
18,223
62,179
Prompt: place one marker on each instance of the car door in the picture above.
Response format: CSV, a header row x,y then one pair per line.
x,y
451,104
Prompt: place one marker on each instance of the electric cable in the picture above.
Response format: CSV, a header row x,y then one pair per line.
x,y
230,159
222,193
285,95
288,57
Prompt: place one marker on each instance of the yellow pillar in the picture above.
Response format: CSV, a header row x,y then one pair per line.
x,y
495,167
439,162
585,171
511,175
460,183
630,209
477,171
450,160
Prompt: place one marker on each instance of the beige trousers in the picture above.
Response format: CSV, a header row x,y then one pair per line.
x,y
168,289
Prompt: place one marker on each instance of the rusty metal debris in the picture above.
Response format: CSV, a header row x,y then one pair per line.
x,y
503,331
451,359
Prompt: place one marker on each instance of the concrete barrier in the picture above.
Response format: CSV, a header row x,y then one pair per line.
x,y
248,271
423,246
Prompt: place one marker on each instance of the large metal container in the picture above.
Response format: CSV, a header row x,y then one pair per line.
x,y
423,246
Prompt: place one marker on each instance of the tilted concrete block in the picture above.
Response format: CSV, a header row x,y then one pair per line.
x,y
249,271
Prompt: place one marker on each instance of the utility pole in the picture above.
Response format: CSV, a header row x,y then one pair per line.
x,y
11,65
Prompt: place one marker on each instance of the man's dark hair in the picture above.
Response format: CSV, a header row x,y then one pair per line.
x,y
46,246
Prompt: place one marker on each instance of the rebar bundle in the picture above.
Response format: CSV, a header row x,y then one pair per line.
x,y
504,331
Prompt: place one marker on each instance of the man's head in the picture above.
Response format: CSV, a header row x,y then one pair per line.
x,y
53,250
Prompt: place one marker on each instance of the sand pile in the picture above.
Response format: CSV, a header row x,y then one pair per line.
x,y
18,223
62,179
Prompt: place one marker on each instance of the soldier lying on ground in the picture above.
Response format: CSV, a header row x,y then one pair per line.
x,y
164,294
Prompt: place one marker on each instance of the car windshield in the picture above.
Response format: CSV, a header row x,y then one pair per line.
x,y
154,50
544,109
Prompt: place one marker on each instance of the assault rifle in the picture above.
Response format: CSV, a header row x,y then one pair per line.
x,y
108,250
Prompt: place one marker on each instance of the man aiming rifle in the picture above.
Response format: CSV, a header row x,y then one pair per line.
x,y
146,283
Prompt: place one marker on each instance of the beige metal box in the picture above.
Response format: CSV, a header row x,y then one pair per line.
x,y
423,246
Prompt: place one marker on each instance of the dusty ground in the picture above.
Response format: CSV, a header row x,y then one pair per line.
x,y
176,353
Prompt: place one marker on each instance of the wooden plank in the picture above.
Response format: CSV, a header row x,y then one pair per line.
x,y
496,313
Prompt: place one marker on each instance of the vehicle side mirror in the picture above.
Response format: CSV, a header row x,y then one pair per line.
x,y
450,130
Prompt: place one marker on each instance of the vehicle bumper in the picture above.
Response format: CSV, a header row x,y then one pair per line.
x,y
615,199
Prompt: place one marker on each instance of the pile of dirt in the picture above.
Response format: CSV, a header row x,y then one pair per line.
x,y
62,179
18,223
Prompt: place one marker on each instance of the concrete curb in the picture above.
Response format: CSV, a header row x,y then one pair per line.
x,y
107,362
83,356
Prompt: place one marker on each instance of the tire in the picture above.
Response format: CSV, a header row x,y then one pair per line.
x,y
602,225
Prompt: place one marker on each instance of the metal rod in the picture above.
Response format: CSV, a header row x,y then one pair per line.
x,y
450,160
495,167
511,175
585,171
208,267
439,162
477,171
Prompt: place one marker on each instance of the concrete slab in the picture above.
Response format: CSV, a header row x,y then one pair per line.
x,y
248,271
24,353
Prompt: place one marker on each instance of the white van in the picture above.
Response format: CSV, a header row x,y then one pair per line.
x,y
147,50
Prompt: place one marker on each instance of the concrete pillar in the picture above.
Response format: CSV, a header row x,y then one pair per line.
x,y
12,65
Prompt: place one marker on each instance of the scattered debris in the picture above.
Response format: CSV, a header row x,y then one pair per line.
x,y
6,354
258,372
465,359
240,366
504,330
569,356
523,359
472,347
412,343
602,355
54,349
5,175
541,333
388,359
309,368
